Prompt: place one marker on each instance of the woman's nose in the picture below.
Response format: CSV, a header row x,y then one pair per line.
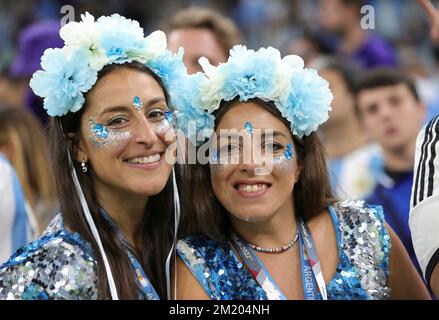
x,y
251,159
145,133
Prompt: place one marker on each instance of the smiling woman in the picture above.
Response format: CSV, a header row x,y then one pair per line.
x,y
108,92
265,225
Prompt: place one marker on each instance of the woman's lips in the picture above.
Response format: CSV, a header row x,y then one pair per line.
x,y
251,190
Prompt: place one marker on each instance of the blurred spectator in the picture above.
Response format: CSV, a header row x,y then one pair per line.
x,y
308,46
429,87
202,32
11,90
17,226
346,144
33,41
23,143
390,110
343,19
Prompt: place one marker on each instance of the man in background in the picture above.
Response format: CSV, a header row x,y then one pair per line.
x,y
392,114
202,32
347,145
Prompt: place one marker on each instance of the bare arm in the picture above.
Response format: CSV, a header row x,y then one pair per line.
x,y
404,280
433,17
188,287
434,282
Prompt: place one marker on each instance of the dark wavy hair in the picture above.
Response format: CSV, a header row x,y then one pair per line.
x,y
154,235
312,193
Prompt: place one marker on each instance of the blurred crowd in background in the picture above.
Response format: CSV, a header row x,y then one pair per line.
x,y
385,81
308,28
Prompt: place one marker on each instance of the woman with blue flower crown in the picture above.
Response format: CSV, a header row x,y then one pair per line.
x,y
265,224
110,92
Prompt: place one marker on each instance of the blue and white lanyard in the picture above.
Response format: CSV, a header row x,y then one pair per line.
x,y
310,266
141,278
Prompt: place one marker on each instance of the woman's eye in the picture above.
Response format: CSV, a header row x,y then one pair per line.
x,y
119,121
156,114
229,149
272,147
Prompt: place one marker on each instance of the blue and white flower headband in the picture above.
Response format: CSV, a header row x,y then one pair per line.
x,y
70,72
300,94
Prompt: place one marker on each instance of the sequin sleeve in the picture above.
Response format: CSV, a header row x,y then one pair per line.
x,y
366,243
218,270
191,252
55,266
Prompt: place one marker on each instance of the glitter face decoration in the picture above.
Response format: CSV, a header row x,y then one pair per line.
x,y
169,116
249,128
214,158
164,125
101,136
285,161
289,152
138,105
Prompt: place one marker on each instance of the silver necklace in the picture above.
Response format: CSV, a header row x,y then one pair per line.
x,y
275,250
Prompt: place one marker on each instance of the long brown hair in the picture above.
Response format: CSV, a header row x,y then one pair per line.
x,y
312,193
154,235
21,132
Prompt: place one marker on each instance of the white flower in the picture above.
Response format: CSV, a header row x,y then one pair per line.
x,y
285,70
117,23
210,88
81,34
85,34
155,45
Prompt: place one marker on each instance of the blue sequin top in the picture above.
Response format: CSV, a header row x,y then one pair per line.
x,y
362,272
57,265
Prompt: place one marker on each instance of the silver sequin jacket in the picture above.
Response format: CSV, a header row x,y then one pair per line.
x,y
57,265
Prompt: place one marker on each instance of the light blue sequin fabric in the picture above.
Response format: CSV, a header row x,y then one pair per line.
x,y
57,265
362,272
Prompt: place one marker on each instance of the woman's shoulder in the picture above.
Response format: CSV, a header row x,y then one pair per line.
x,y
217,269
366,243
352,213
57,265
362,224
199,248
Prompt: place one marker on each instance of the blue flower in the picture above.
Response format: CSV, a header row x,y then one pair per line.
x,y
63,80
183,90
248,74
121,39
170,68
196,124
308,104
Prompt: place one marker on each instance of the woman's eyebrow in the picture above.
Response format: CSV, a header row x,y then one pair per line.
x,y
124,108
273,134
264,134
154,101
113,109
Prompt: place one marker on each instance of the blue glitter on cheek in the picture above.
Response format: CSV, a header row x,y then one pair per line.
x,y
249,128
169,116
100,131
101,136
214,158
289,152
137,103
